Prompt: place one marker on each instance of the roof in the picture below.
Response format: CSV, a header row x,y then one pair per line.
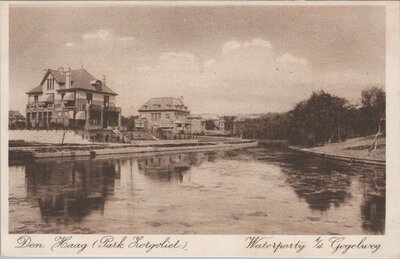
x,y
194,117
80,79
210,116
164,104
37,89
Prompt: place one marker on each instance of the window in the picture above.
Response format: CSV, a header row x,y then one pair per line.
x,y
167,116
50,83
106,101
36,98
155,116
89,98
62,96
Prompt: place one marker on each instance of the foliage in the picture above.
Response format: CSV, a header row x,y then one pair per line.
x,y
268,126
322,118
319,119
373,109
210,125
229,121
128,122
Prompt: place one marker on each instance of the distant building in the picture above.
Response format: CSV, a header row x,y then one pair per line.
x,y
197,125
72,98
213,122
16,120
167,113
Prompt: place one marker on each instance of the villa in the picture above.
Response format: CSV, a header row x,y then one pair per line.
x,y
72,99
164,113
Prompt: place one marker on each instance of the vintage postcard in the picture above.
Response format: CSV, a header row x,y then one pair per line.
x,y
200,128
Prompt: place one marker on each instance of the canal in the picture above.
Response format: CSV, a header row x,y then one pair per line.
x,y
260,190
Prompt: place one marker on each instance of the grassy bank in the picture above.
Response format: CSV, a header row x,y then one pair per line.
x,y
356,147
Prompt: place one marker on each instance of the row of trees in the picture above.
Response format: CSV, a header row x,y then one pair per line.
x,y
269,126
328,118
322,118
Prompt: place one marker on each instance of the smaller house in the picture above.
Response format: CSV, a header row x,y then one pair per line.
x,y
197,125
163,113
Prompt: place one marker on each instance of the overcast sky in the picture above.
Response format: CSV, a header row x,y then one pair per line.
x,y
225,59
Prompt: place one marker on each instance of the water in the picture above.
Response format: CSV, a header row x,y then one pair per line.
x,y
250,191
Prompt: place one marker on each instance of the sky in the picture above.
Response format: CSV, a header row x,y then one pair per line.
x,y
222,59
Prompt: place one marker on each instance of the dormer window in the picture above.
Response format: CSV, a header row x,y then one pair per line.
x,y
50,83
97,84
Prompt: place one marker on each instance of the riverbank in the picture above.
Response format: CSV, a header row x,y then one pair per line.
x,y
50,151
352,150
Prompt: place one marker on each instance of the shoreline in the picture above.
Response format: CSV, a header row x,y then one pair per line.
x,y
347,158
93,152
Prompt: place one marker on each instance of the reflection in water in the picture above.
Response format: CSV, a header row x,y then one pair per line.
x,y
373,206
323,183
67,192
165,168
168,167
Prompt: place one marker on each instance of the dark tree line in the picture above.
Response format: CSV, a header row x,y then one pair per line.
x,y
321,118
269,126
128,122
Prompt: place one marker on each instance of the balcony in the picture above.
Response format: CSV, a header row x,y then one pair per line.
x,y
95,107
112,109
69,105
39,105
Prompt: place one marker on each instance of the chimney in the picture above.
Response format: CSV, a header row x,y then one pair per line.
x,y
104,79
68,78
61,70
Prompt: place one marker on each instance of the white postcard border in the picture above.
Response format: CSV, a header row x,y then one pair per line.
x,y
225,245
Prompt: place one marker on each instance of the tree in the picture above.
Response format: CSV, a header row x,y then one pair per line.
x,y
229,123
373,109
128,122
322,118
210,125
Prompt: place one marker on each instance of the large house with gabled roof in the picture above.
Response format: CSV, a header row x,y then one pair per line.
x,y
74,99
168,113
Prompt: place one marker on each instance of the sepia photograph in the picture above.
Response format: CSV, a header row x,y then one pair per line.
x,y
196,119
